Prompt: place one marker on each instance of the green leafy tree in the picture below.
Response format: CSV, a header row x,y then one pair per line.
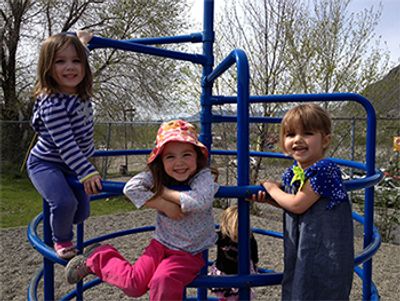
x,y
299,47
123,80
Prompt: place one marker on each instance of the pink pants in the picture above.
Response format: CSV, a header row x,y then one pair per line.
x,y
163,271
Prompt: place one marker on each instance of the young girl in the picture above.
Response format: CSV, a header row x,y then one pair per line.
x,y
184,225
227,252
318,224
63,120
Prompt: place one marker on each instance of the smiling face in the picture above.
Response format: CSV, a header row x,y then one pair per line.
x,y
305,146
179,160
68,70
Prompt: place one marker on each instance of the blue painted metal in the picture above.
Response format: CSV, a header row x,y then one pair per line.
x,y
244,280
48,265
100,42
205,105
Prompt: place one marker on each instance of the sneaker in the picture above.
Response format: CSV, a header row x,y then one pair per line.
x,y
76,268
65,250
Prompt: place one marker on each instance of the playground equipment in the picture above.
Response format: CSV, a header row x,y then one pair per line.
x,y
244,280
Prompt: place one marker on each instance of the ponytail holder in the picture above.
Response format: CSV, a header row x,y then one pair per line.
x,y
298,176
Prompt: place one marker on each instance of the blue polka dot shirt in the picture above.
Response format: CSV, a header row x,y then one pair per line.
x,y
325,179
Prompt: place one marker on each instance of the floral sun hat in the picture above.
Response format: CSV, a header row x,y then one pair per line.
x,y
178,131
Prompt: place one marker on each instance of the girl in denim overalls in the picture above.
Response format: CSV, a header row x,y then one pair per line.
x,y
318,224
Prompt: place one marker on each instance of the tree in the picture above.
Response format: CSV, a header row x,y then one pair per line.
x,y
299,47
122,80
12,17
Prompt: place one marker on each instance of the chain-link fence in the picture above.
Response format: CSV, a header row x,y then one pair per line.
x,y
348,143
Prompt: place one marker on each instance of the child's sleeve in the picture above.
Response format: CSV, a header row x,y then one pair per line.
x,y
138,189
201,196
326,181
58,124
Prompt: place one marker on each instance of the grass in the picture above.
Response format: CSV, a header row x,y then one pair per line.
x,y
20,202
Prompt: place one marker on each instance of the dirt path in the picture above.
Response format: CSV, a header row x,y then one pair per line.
x,y
19,261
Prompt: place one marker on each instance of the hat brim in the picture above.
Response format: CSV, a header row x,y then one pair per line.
x,y
158,149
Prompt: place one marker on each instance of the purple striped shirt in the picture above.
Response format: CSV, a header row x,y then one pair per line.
x,y
64,124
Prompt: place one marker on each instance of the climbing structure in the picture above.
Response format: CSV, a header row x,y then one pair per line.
x,y
237,58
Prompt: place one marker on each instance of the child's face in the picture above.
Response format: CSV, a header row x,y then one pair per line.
x,y
306,147
68,70
179,160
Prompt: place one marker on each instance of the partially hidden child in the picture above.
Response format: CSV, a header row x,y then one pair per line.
x,y
227,259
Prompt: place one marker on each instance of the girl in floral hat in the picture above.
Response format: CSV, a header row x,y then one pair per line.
x,y
184,225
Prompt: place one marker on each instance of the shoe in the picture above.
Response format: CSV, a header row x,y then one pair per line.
x,y
76,268
65,250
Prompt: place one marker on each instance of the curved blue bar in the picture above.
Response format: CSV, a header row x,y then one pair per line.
x,y
39,245
34,284
115,188
370,249
374,296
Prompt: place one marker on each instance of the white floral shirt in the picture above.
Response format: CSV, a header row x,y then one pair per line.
x,y
196,231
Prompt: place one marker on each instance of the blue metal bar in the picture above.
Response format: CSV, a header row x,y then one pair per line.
x,y
369,193
372,248
243,92
374,291
48,265
243,191
34,284
39,244
239,57
79,243
192,38
206,92
100,42
206,88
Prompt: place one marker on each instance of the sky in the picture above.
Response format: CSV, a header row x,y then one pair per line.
x,y
388,27
389,24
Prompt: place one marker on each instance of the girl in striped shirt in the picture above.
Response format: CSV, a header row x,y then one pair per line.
x,y
63,120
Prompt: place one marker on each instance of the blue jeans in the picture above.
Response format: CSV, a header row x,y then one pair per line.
x,y
68,205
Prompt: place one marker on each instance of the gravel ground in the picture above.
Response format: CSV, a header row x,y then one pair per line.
x,y
20,261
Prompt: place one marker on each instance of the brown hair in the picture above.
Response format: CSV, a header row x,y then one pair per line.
x,y
160,177
309,117
45,82
229,223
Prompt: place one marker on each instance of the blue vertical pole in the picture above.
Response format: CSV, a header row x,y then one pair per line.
x,y
243,165
369,197
79,244
205,99
48,265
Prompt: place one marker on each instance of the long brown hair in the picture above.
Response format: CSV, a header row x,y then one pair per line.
x,y
160,177
45,83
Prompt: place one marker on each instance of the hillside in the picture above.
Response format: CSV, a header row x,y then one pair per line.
x,y
385,94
